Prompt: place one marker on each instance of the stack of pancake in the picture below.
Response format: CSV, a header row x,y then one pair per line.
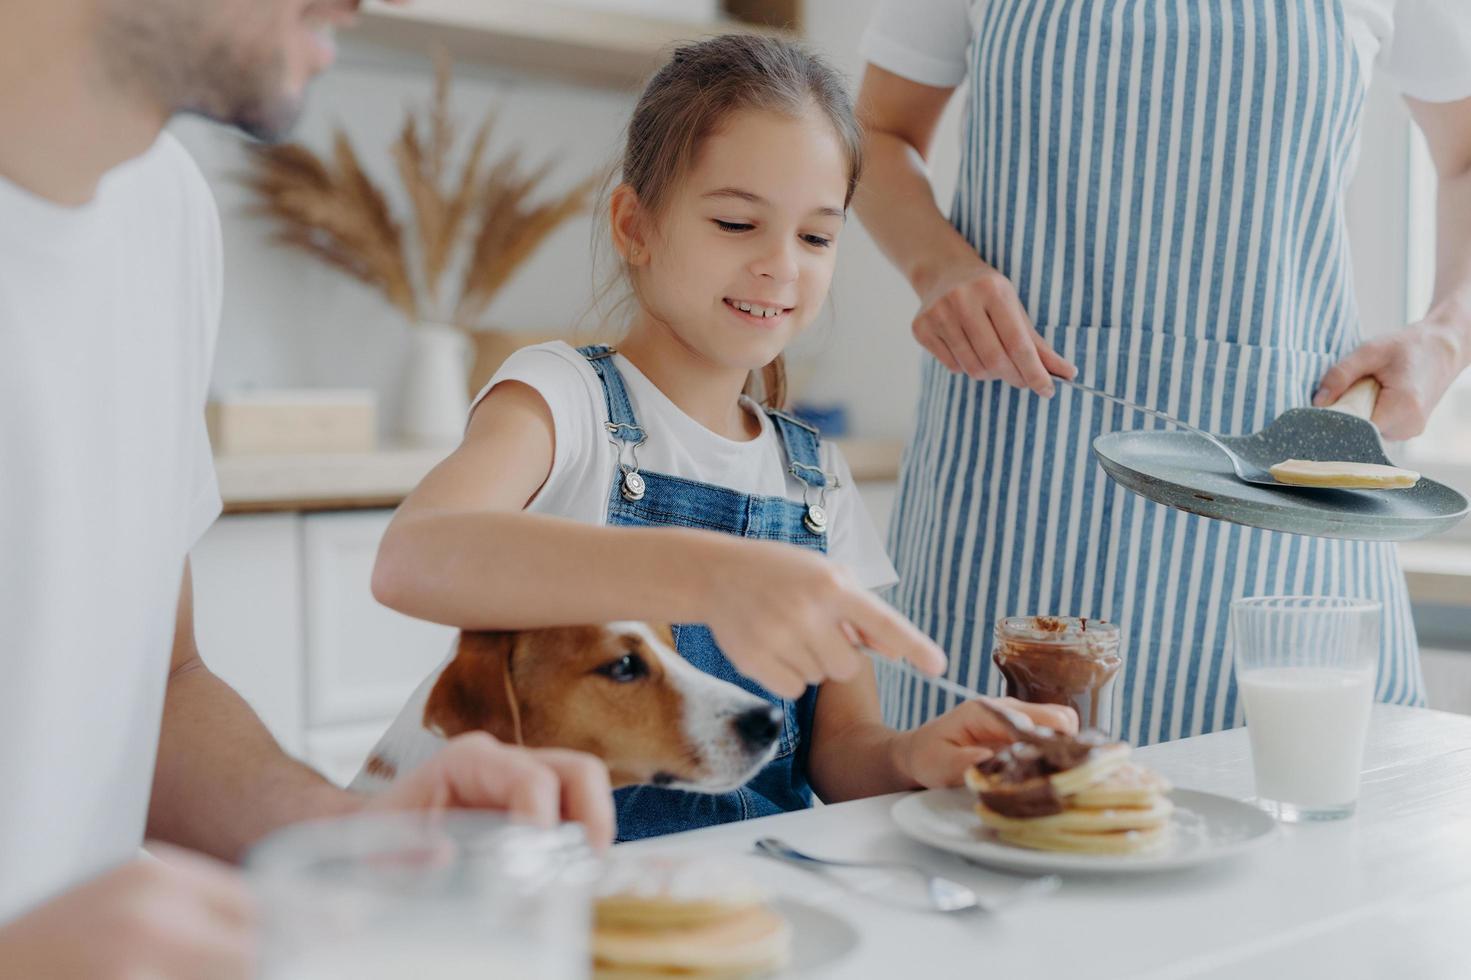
x,y
1080,794
669,917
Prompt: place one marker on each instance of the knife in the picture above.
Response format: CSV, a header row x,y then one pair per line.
x,y
1015,719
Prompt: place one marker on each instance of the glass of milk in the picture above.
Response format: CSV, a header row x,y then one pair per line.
x,y
423,896
1305,667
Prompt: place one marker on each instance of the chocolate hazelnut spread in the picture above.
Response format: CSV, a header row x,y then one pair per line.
x,y
1060,660
1019,774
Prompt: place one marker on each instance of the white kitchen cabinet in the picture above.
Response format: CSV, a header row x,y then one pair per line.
x,y
248,615
363,658
285,614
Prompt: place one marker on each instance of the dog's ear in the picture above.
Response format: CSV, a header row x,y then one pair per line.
x,y
474,692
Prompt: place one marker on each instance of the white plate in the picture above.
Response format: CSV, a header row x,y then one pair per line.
x,y
820,939
1206,828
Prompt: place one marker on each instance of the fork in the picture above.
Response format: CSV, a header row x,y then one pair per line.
x,y
1245,469
944,895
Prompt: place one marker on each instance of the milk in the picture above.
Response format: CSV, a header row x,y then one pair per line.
x,y
1307,727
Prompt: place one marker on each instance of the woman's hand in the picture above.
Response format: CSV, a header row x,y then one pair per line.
x,y
788,617
938,753
1413,366
971,319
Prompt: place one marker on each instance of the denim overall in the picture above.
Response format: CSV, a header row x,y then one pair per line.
x,y
643,499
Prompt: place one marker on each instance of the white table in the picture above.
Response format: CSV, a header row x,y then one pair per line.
x,y
1386,893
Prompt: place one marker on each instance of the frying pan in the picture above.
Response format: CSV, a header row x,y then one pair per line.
x,y
1183,470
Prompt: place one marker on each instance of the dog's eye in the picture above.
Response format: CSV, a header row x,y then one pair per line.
x,y
627,668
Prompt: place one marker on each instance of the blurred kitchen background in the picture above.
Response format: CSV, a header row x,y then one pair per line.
x,y
284,608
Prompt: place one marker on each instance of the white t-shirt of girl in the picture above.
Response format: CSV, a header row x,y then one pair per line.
x,y
1424,46
585,461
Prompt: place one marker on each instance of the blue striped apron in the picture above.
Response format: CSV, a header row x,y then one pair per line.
x,y
1163,182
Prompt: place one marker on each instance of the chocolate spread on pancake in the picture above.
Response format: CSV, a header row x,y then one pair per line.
x,y
1059,660
1019,774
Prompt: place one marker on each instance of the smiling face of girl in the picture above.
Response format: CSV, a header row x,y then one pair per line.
x,y
739,258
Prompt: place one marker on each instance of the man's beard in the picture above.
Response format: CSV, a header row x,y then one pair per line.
x,y
159,50
250,98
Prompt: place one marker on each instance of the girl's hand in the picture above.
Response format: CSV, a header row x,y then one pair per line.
x,y
1413,366
788,617
938,753
971,319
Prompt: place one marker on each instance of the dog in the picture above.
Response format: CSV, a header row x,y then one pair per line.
x,y
619,691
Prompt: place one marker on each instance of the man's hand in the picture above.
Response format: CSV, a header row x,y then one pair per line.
x,y
540,786
222,783
182,917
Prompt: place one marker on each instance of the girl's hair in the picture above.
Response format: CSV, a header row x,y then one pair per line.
x,y
702,85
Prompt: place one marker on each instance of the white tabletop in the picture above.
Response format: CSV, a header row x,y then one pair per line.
x,y
1386,893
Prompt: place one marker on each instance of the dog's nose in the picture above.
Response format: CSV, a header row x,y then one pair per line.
x,y
759,727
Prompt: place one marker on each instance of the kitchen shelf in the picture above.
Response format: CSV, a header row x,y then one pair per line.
x,y
1438,571
251,483
543,37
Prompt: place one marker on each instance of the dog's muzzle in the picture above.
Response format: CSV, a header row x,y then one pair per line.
x,y
758,727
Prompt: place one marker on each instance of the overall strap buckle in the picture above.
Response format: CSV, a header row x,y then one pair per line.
x,y
803,445
627,438
815,519
622,426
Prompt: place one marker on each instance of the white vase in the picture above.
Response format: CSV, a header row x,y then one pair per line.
x,y
435,401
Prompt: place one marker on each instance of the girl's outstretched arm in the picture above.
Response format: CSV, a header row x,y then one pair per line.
x,y
462,551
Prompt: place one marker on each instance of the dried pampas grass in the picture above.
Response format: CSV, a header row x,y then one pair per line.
x,y
480,224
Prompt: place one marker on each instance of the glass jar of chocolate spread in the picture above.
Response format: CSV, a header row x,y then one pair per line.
x,y
1060,660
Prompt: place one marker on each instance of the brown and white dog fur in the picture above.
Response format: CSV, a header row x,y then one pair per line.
x,y
619,691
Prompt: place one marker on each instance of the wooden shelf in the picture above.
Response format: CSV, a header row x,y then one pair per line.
x,y
251,483
546,38
382,478
1438,571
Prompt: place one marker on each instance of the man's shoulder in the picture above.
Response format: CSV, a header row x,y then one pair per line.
x,y
161,205
173,158
165,179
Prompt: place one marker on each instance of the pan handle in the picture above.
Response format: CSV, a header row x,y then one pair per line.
x,y
1359,399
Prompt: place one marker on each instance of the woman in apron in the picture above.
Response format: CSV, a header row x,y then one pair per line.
x,y
1151,194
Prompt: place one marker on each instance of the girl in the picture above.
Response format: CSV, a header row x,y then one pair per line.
x,y
595,485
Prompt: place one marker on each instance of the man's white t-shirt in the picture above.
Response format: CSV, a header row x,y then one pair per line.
x,y
1424,46
108,314
585,462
